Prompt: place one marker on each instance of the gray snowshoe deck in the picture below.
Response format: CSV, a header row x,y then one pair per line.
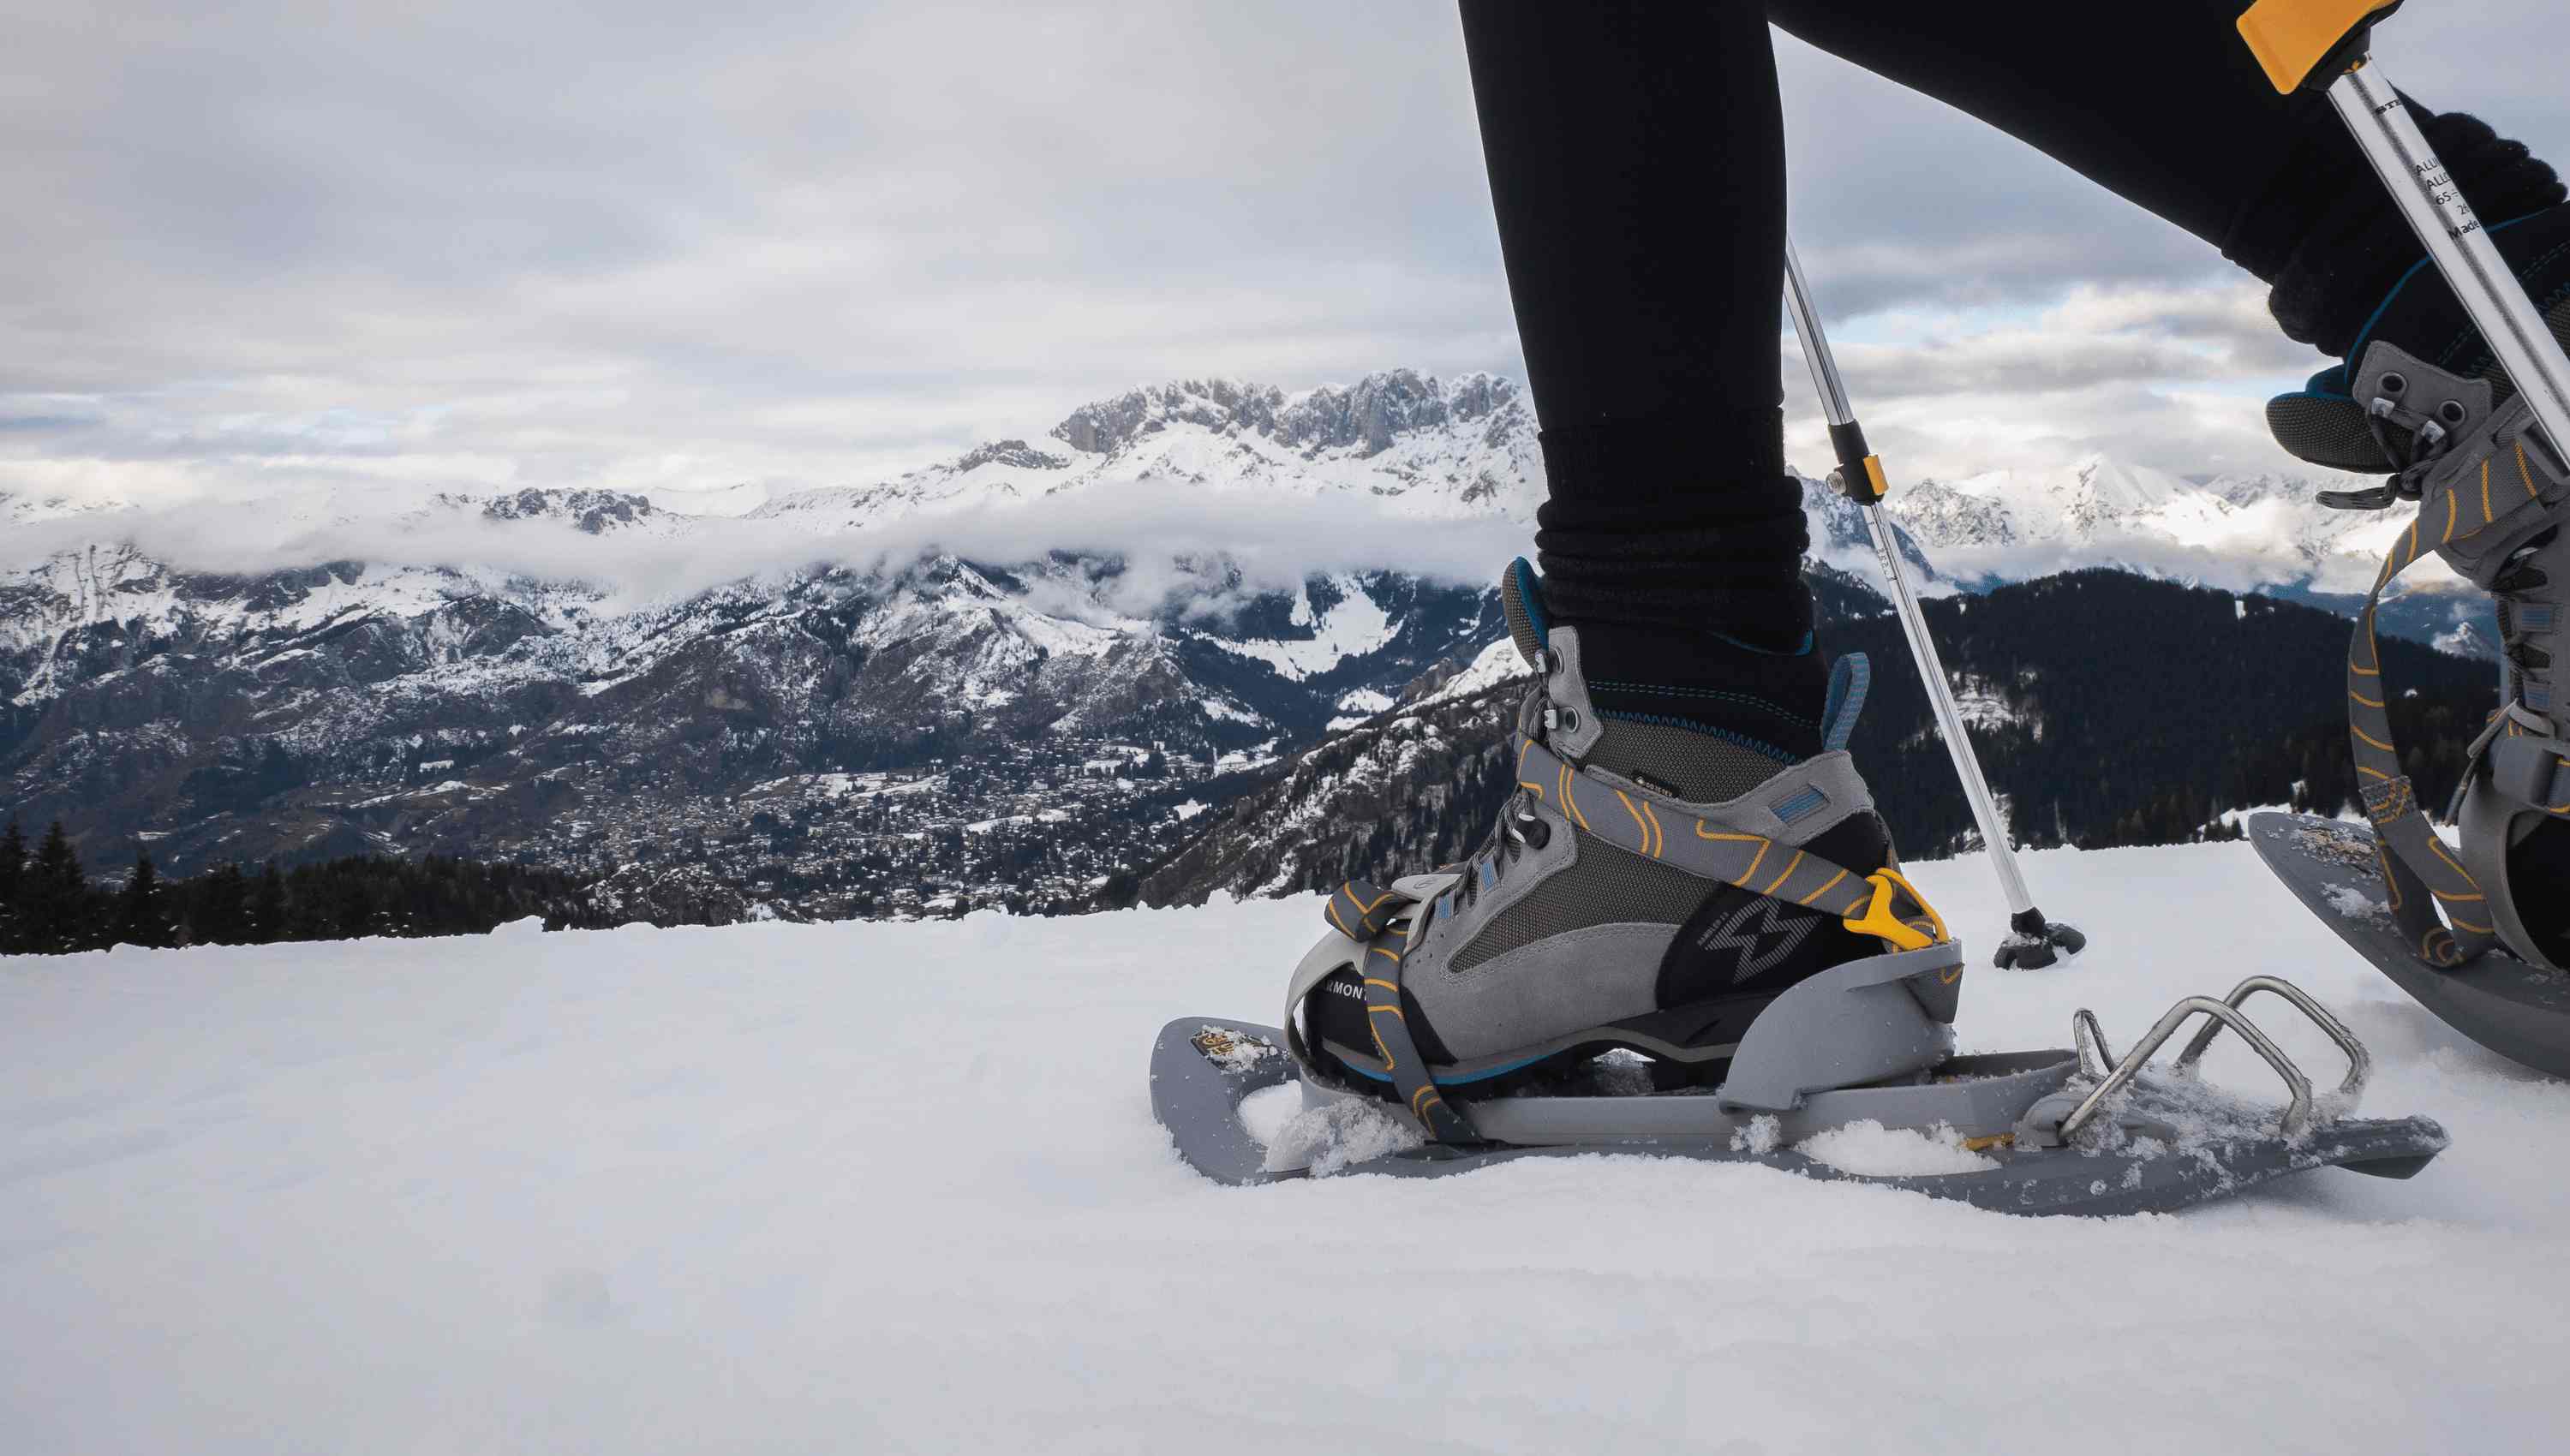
x,y
1202,1069
2521,1011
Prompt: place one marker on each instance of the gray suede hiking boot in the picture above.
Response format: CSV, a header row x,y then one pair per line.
x,y
1650,886
2423,400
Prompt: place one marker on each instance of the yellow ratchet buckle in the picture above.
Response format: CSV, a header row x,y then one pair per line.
x,y
1878,919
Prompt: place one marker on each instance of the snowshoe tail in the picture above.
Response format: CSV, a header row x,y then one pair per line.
x,y
2520,1010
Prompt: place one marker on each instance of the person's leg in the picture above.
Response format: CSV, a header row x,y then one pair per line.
x,y
1677,849
2179,119
1636,158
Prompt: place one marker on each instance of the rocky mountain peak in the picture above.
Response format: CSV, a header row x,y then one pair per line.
x,y
1016,454
1103,427
593,511
1366,418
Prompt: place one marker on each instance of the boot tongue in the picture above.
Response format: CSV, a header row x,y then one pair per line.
x,y
1522,602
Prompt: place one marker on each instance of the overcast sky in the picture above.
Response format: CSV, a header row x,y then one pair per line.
x,y
654,244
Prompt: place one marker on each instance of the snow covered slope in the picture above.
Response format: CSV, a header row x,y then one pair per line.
x,y
897,1187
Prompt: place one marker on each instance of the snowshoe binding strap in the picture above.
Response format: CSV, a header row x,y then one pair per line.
x,y
1741,843
1382,922
1361,910
2487,483
1390,1023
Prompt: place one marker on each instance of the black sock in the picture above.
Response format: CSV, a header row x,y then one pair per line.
x,y
1767,701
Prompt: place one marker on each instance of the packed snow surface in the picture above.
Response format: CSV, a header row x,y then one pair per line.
x,y
1867,1147
897,1187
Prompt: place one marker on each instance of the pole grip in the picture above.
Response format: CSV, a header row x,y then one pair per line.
x,y
2297,41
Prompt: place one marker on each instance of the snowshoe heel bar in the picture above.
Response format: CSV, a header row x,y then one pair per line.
x,y
2094,1057
2360,1062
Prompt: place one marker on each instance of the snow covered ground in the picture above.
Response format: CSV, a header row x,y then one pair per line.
x,y
897,1187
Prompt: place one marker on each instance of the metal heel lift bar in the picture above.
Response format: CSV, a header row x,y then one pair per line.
x,y
2113,1076
1860,478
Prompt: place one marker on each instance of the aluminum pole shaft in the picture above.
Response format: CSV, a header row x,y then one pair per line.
x,y
2463,253
1913,622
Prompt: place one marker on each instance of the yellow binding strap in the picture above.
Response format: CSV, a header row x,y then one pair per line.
x,y
1877,919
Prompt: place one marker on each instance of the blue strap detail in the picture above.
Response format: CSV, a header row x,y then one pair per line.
x,y
1802,805
1851,677
1370,1074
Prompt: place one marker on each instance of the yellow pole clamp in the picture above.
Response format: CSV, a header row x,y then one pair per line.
x,y
1877,919
2290,38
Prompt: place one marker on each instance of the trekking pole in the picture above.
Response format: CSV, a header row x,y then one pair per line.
x,y
2032,940
2325,45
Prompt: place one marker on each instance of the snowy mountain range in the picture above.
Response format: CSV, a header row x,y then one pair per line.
x,y
1065,650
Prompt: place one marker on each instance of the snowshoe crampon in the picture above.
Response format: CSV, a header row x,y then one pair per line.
x,y
2517,1009
1846,1076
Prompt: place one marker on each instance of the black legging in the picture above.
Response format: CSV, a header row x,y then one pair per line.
x,y
1638,161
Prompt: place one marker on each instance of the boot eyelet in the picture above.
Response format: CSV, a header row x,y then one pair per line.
x,y
1536,832
2394,384
1551,661
1571,720
2453,411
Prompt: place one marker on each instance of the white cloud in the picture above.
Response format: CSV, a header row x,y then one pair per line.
x,y
647,244
1166,533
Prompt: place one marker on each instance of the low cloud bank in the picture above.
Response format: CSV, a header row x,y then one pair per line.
x,y
1167,535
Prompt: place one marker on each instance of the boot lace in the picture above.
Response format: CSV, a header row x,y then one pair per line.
x,y
1517,829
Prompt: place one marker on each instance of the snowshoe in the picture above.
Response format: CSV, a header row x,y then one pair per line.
x,y
1860,1052
2492,494
1678,942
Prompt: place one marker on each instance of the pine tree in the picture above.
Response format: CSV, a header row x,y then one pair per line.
x,y
59,916
222,915
267,914
142,917
13,884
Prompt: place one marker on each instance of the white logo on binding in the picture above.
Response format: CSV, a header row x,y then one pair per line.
x,y
1738,936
